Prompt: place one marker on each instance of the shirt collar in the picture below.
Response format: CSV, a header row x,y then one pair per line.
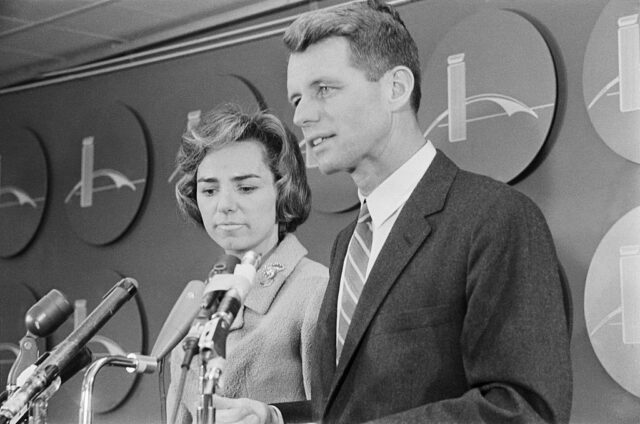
x,y
391,194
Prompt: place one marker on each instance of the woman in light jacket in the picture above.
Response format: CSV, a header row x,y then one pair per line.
x,y
245,183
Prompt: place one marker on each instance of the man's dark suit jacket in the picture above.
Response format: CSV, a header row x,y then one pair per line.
x,y
463,318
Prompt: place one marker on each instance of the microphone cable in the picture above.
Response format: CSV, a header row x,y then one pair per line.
x,y
163,392
180,391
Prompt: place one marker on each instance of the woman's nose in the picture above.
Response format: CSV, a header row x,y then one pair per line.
x,y
226,201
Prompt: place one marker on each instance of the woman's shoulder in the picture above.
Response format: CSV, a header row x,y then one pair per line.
x,y
303,264
312,270
310,279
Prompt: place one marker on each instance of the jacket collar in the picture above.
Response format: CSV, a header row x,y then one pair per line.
x,y
272,274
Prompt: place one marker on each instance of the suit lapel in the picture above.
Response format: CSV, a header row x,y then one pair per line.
x,y
409,232
326,328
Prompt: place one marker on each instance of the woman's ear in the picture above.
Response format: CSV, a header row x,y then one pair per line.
x,y
402,82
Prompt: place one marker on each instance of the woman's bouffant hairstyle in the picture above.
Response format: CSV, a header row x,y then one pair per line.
x,y
229,124
377,37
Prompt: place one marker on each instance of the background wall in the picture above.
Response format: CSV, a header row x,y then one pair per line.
x,y
581,185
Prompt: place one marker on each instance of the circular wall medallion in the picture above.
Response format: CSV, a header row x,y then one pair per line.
x,y
490,94
107,174
611,78
23,189
612,301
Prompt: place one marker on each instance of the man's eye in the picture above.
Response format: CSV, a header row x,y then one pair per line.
x,y
323,90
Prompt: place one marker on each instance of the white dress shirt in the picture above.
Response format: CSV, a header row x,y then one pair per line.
x,y
386,201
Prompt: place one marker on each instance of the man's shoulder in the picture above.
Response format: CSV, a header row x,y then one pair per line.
x,y
487,190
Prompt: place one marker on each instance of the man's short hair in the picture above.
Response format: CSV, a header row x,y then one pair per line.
x,y
376,34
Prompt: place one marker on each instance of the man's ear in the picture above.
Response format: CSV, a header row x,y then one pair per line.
x,y
402,82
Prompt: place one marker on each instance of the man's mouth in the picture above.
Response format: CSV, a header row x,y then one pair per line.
x,y
318,141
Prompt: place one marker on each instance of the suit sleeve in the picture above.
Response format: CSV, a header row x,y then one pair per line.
x,y
310,319
515,334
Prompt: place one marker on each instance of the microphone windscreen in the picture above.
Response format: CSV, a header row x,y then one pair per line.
x,y
224,265
245,272
219,283
179,320
48,314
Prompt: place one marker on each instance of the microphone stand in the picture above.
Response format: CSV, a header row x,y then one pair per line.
x,y
211,366
40,404
27,355
138,363
86,395
36,411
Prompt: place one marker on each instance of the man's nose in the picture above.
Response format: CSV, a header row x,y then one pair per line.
x,y
306,113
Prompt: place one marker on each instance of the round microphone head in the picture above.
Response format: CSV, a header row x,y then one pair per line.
x,y
252,258
224,265
48,314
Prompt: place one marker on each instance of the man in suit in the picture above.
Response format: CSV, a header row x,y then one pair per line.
x,y
445,302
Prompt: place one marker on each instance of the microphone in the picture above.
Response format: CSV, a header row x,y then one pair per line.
x,y
174,329
179,320
213,292
42,319
244,276
63,354
240,283
213,340
224,265
48,314
81,360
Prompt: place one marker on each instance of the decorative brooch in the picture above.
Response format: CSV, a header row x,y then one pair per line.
x,y
269,273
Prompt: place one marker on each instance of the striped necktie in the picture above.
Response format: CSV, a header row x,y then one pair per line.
x,y
355,269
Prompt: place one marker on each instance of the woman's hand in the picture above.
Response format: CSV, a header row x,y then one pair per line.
x,y
244,411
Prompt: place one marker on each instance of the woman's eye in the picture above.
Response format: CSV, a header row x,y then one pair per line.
x,y
208,191
246,189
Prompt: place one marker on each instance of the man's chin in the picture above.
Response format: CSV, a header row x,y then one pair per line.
x,y
327,168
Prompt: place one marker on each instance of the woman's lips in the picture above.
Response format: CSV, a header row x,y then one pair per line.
x,y
228,227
